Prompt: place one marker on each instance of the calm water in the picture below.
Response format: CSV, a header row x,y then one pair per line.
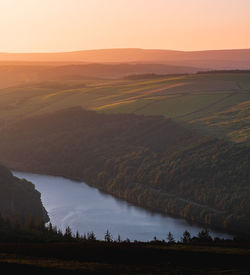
x,y
85,209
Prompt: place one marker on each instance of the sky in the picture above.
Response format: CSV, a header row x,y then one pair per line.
x,y
69,25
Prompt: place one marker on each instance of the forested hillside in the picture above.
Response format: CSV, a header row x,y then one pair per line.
x,y
20,203
150,161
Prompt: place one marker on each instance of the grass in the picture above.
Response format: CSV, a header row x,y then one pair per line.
x,y
234,121
113,258
202,101
171,106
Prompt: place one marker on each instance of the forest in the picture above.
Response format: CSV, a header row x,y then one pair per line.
x,y
150,161
20,203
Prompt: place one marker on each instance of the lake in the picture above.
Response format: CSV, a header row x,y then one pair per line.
x,y
86,209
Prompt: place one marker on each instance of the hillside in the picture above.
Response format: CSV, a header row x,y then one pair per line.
x,y
214,103
19,201
150,161
17,74
217,59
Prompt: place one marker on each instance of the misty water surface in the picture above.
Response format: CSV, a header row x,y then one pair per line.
x,y
85,209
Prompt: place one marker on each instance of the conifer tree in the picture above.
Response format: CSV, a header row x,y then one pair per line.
x,y
68,232
108,236
186,238
170,238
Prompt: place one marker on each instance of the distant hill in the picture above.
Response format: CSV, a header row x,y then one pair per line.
x,y
95,70
214,59
15,74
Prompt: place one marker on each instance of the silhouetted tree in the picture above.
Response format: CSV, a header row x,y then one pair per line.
x,y
91,236
108,236
77,235
119,238
186,238
68,232
170,238
204,235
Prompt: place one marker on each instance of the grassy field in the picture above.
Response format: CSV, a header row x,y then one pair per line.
x,y
113,258
218,103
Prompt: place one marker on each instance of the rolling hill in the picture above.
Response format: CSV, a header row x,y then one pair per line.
x,y
167,160
217,59
214,103
17,74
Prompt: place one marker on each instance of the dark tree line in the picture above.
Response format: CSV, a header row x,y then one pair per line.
x,y
13,232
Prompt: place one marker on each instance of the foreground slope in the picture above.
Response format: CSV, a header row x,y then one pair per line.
x,y
150,161
124,258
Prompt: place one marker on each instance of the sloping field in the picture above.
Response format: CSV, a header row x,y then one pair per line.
x,y
234,122
214,102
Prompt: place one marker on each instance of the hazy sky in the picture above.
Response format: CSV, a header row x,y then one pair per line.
x,y
66,25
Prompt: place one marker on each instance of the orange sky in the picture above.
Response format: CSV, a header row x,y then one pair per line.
x,y
67,25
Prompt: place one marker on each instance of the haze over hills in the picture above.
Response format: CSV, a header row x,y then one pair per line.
x,y
94,70
13,74
213,59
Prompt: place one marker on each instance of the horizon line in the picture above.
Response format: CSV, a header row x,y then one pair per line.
x,y
125,48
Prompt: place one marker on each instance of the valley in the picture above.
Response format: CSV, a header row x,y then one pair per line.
x,y
124,137
149,161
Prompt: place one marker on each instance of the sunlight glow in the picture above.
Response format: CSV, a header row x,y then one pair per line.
x,y
67,25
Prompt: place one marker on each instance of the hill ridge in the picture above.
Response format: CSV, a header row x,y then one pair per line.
x,y
213,59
